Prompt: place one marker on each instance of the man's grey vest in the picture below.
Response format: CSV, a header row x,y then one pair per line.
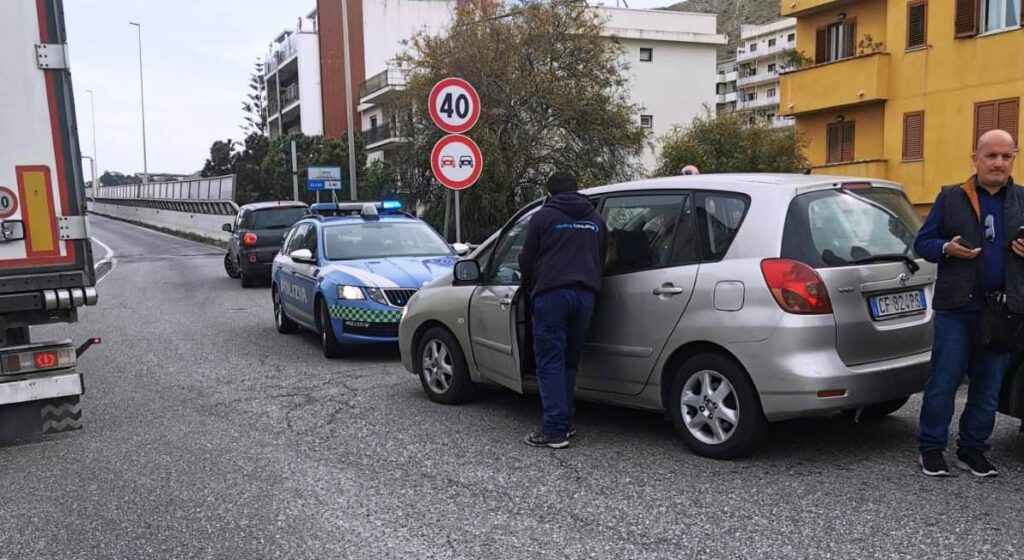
x,y
959,279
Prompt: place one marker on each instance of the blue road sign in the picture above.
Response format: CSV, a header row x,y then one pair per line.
x,y
315,185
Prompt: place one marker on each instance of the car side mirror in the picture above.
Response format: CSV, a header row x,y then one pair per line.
x,y
302,256
467,272
12,230
461,249
228,228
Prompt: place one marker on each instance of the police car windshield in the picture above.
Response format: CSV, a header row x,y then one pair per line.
x,y
382,240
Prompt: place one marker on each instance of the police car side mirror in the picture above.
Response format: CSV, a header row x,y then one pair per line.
x,y
461,249
302,256
467,272
227,227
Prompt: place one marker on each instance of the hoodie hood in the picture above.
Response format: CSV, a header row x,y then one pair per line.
x,y
572,204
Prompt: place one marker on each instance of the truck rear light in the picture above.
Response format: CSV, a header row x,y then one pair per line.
x,y
20,363
250,239
796,287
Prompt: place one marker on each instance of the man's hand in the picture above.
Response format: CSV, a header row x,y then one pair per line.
x,y
1018,247
957,251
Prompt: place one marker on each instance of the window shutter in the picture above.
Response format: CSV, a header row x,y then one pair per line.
x,y
835,152
913,135
917,24
850,29
821,45
985,118
966,19
847,141
1008,116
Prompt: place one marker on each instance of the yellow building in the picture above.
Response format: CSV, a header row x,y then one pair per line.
x,y
900,89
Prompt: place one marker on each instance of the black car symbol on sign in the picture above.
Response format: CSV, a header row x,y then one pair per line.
x,y
465,161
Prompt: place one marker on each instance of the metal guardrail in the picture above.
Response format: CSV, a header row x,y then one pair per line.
x,y
212,207
213,188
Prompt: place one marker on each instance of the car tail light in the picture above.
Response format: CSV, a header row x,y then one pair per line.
x,y
797,288
38,360
250,239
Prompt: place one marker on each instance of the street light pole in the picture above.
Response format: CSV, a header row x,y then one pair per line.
x,y
348,99
92,104
142,97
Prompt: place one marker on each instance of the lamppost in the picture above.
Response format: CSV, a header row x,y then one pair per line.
x,y
142,97
92,105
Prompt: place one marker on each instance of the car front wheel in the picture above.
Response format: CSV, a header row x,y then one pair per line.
x,y
281,321
332,348
442,368
715,407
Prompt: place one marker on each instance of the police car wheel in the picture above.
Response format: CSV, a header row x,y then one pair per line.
x,y
230,267
281,321
442,368
332,348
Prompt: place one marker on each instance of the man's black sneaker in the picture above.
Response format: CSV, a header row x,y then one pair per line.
x,y
538,439
975,462
933,463
571,432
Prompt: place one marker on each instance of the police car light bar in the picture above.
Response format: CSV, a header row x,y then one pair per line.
x,y
353,208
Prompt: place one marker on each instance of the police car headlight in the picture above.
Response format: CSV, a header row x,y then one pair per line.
x,y
377,295
350,292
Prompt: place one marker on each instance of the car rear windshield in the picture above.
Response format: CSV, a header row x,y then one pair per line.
x,y
382,240
845,226
277,218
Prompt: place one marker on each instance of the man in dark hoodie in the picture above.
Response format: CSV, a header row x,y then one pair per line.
x,y
562,263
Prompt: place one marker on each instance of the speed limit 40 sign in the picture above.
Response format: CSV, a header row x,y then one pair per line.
x,y
454,105
8,203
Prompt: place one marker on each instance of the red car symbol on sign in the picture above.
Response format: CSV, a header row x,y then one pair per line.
x,y
448,161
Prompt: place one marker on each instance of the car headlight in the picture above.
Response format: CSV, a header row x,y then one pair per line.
x,y
377,295
350,292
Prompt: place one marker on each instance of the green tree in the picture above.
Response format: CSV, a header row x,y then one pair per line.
x,y
220,160
554,97
254,106
730,143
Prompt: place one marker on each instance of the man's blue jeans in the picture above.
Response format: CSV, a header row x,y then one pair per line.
x,y
955,352
561,318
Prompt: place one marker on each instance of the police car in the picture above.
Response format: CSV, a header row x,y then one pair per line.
x,y
347,270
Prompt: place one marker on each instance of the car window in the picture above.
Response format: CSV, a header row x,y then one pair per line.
x,y
643,231
503,269
298,239
310,241
383,240
719,216
276,218
287,241
239,219
838,227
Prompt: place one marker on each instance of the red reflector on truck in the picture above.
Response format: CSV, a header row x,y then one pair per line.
x,y
46,360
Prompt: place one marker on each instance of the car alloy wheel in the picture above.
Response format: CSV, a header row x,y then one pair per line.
x,y
437,366
709,407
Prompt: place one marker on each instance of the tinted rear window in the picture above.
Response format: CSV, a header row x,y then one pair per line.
x,y
276,218
837,227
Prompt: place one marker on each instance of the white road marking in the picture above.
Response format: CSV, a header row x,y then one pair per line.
x,y
110,257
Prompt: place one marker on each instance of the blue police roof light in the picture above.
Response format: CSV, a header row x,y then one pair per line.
x,y
391,205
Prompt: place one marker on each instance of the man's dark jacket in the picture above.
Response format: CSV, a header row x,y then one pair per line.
x,y
564,245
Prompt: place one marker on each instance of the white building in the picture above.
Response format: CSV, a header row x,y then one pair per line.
x,y
292,71
386,25
671,57
760,57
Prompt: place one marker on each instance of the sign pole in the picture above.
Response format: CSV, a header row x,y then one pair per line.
x,y
447,211
458,220
295,174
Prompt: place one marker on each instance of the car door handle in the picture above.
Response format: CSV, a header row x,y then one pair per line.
x,y
505,302
668,290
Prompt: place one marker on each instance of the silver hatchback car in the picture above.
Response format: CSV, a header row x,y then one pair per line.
x,y
729,302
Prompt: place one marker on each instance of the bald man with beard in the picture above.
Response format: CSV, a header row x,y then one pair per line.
x,y
971,234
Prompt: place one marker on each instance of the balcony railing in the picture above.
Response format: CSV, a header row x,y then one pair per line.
x,y
757,79
280,53
290,95
852,81
758,103
381,134
390,77
744,54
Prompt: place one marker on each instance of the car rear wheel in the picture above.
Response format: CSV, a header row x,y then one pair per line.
x,y
332,348
230,267
281,321
715,407
442,368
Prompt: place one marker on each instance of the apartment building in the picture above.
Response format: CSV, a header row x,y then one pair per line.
x,y
292,77
763,53
900,89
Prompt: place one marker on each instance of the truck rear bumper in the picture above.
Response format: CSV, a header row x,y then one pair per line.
x,y
41,388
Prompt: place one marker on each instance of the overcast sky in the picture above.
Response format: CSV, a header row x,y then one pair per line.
x,y
197,57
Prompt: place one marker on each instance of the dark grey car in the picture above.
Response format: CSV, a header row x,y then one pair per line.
x,y
256,237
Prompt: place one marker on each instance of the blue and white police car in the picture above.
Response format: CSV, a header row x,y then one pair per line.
x,y
347,270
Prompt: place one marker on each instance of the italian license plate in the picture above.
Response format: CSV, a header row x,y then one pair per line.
x,y
894,305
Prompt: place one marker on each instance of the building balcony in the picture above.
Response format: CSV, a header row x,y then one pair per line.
x,y
381,88
757,79
726,77
281,53
844,83
800,8
289,96
743,55
757,103
867,168
727,97
378,138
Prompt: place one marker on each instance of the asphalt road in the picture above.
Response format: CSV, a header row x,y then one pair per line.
x,y
209,435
